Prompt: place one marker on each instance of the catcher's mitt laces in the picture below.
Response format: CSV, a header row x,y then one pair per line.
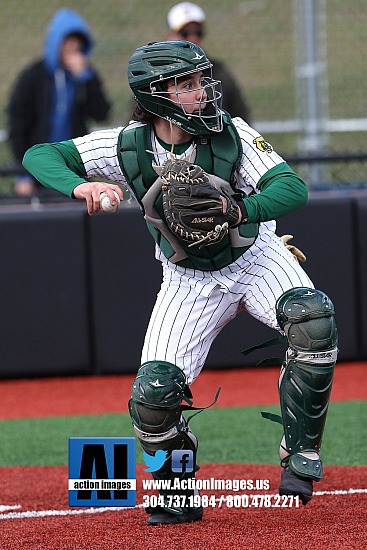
x,y
216,235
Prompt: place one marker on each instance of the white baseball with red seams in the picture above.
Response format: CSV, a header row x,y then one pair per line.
x,y
106,204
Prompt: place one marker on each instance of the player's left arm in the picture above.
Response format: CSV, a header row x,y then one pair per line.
x,y
281,192
278,189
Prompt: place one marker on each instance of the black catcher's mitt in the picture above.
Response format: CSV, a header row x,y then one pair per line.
x,y
194,209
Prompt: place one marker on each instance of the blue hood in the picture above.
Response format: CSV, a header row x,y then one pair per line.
x,y
64,22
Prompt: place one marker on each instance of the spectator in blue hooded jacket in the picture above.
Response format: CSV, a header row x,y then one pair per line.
x,y
55,98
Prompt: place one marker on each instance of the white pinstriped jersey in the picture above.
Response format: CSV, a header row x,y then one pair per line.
x,y
98,151
192,305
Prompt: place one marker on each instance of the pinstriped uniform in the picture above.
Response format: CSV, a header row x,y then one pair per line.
x,y
193,306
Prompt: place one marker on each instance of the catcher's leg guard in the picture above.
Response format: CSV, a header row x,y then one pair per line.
x,y
156,412
307,317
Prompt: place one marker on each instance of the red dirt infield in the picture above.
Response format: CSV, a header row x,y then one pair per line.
x,y
32,398
34,512
42,520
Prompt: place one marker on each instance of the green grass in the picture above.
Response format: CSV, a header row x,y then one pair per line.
x,y
236,434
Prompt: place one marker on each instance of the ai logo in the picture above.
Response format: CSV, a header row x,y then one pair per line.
x,y
102,471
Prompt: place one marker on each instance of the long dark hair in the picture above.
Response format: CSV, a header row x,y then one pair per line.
x,y
141,115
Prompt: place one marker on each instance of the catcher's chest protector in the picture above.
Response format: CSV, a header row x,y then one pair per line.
x,y
218,155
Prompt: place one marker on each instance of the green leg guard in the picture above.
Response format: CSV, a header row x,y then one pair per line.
x,y
307,317
156,412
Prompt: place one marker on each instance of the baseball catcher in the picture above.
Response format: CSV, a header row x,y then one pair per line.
x,y
210,189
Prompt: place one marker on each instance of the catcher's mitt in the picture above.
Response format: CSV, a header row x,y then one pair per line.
x,y
194,209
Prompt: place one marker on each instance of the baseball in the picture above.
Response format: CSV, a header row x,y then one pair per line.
x,y
106,203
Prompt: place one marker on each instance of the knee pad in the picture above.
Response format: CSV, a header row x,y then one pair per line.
x,y
307,317
156,403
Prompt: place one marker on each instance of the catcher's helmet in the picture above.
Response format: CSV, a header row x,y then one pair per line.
x,y
151,66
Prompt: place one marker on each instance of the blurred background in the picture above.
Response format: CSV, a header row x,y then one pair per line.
x,y
300,64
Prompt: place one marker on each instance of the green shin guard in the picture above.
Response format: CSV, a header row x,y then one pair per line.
x,y
304,398
307,318
156,412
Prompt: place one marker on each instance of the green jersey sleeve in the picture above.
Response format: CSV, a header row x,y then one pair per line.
x,y
56,165
281,192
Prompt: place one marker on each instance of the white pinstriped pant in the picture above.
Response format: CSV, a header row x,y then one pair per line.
x,y
192,307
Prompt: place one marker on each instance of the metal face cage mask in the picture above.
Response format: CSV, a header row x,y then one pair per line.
x,y
207,115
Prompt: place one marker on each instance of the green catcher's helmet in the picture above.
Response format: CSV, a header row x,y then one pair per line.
x,y
149,69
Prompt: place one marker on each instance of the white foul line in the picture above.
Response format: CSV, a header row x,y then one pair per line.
x,y
100,510
4,508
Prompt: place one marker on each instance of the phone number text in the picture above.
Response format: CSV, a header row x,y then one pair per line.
x,y
228,501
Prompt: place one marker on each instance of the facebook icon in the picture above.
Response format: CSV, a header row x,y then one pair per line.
x,y
182,460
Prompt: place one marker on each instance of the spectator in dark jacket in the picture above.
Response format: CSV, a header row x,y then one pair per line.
x,y
55,98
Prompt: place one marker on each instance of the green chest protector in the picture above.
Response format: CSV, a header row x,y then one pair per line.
x,y
218,155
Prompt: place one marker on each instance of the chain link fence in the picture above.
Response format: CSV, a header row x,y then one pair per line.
x,y
300,65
